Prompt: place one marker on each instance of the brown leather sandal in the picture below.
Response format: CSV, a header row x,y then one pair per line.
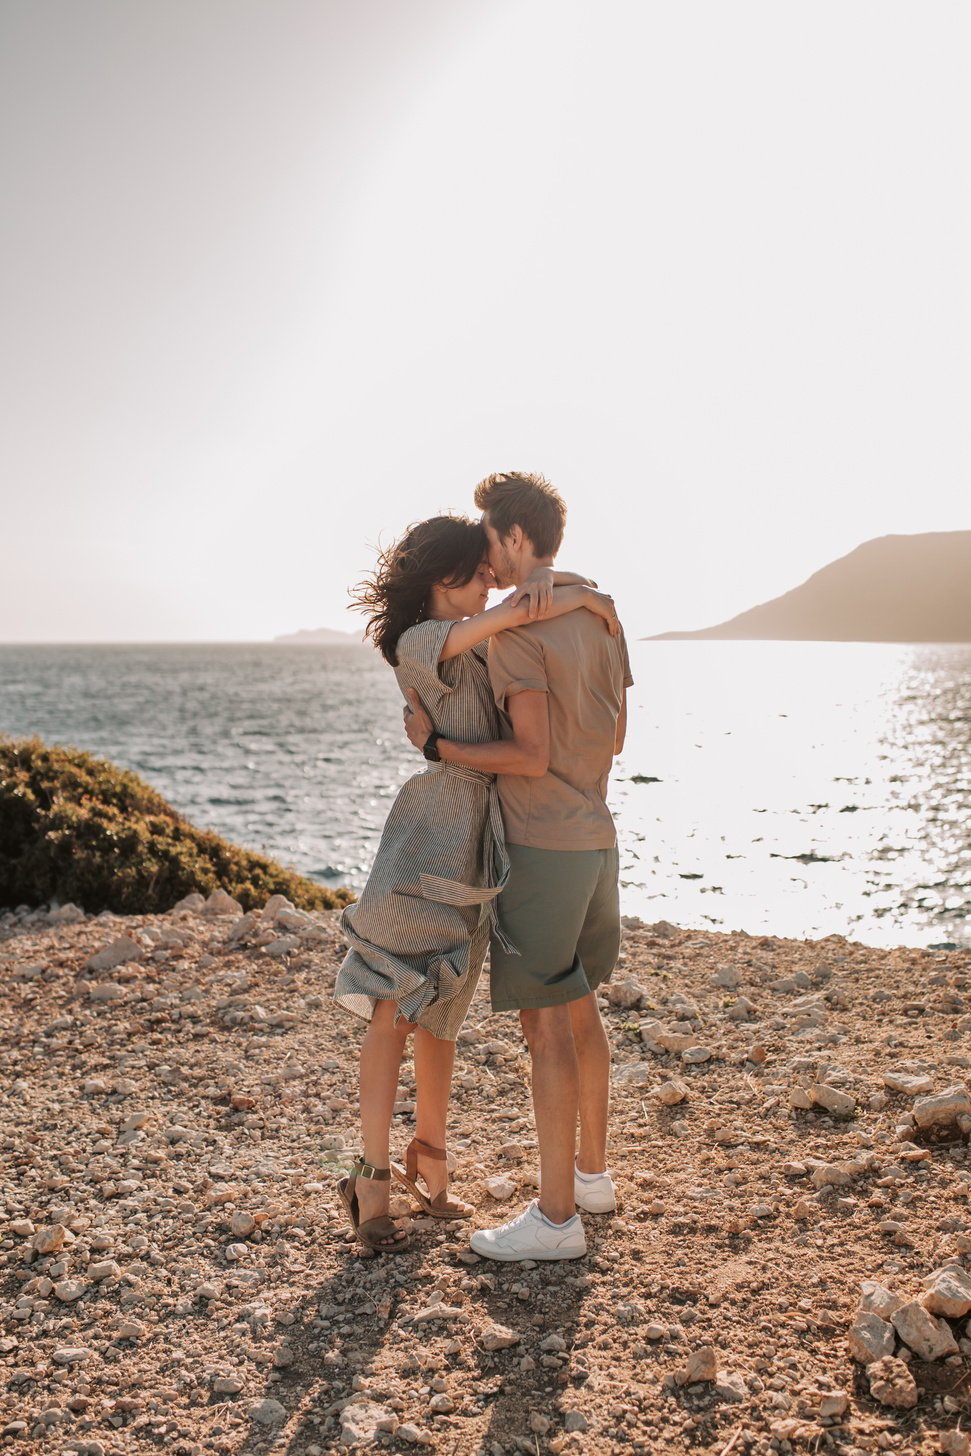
x,y
382,1234
441,1206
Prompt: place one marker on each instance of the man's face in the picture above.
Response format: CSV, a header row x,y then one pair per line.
x,y
503,567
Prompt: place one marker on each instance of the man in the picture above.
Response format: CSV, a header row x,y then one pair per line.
x,y
560,686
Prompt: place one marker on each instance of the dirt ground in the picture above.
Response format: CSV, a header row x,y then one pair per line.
x,y
175,1268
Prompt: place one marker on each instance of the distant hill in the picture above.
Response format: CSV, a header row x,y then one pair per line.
x,y
312,638
892,589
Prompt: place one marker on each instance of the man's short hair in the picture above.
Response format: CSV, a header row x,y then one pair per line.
x,y
513,498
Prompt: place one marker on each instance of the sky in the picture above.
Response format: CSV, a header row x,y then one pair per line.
x,y
280,277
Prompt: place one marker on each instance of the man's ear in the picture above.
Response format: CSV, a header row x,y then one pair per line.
x,y
514,538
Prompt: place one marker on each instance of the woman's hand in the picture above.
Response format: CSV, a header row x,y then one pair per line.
x,y
418,725
603,605
538,588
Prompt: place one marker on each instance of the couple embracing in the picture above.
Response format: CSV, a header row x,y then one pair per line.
x,y
506,839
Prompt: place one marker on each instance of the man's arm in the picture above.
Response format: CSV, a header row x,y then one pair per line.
x,y
526,753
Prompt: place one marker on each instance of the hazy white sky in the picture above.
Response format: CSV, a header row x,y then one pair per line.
x,y
279,278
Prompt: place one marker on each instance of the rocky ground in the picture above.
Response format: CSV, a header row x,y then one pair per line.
x,y
786,1270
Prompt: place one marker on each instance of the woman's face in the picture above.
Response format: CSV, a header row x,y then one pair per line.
x,y
470,599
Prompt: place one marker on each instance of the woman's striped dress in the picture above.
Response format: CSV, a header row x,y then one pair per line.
x,y
418,933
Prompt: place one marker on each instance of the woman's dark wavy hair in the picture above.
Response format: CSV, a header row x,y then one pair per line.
x,y
446,549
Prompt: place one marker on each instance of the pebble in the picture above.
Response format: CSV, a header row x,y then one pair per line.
x,y
49,1240
908,1083
702,1366
575,1420
831,1099
498,1337
71,1355
670,1093
119,952
268,1412
500,1187
68,1290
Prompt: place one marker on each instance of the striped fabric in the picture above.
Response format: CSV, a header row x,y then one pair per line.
x,y
419,932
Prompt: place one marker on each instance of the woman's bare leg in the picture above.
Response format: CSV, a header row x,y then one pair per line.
x,y
381,1053
434,1061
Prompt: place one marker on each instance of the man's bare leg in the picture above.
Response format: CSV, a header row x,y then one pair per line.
x,y
556,1100
593,1063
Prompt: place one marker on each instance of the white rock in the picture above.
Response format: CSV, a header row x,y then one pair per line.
x,y
627,994
833,1403
500,1187
831,1175
66,915
276,903
728,977
944,1109
870,1338
220,903
831,1099
267,1412
908,1083
730,1386
71,1355
68,1290
106,991
950,1294
363,1421
575,1420
926,1336
193,902
498,1337
636,1074
693,1056
104,1269
702,1366
242,1223
227,1385
118,953
50,1239
876,1299
955,1443
670,1093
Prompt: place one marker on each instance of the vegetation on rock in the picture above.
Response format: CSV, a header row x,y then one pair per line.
x,y
77,828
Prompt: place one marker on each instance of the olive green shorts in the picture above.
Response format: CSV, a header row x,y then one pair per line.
x,y
561,910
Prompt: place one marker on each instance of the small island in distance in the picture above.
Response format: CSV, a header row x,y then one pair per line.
x,y
891,589
313,637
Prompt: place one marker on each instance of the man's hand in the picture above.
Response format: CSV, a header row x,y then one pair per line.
x,y
418,725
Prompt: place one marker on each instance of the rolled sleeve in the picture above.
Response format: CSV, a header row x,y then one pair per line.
x,y
516,665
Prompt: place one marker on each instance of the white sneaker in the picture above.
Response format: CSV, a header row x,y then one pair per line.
x,y
594,1194
531,1236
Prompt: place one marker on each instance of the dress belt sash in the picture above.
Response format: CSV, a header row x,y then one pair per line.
x,y
494,856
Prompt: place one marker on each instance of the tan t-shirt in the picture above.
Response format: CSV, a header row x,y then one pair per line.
x,y
584,670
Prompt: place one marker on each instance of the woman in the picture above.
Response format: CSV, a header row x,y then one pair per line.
x,y
418,934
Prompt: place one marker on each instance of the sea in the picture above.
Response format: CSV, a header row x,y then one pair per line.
x,y
793,789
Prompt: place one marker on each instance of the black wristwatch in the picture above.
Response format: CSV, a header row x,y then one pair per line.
x,y
430,748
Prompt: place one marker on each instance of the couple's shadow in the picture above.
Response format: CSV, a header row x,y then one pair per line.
x,y
351,1339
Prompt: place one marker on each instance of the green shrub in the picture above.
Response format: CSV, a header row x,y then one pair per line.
x,y
74,827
